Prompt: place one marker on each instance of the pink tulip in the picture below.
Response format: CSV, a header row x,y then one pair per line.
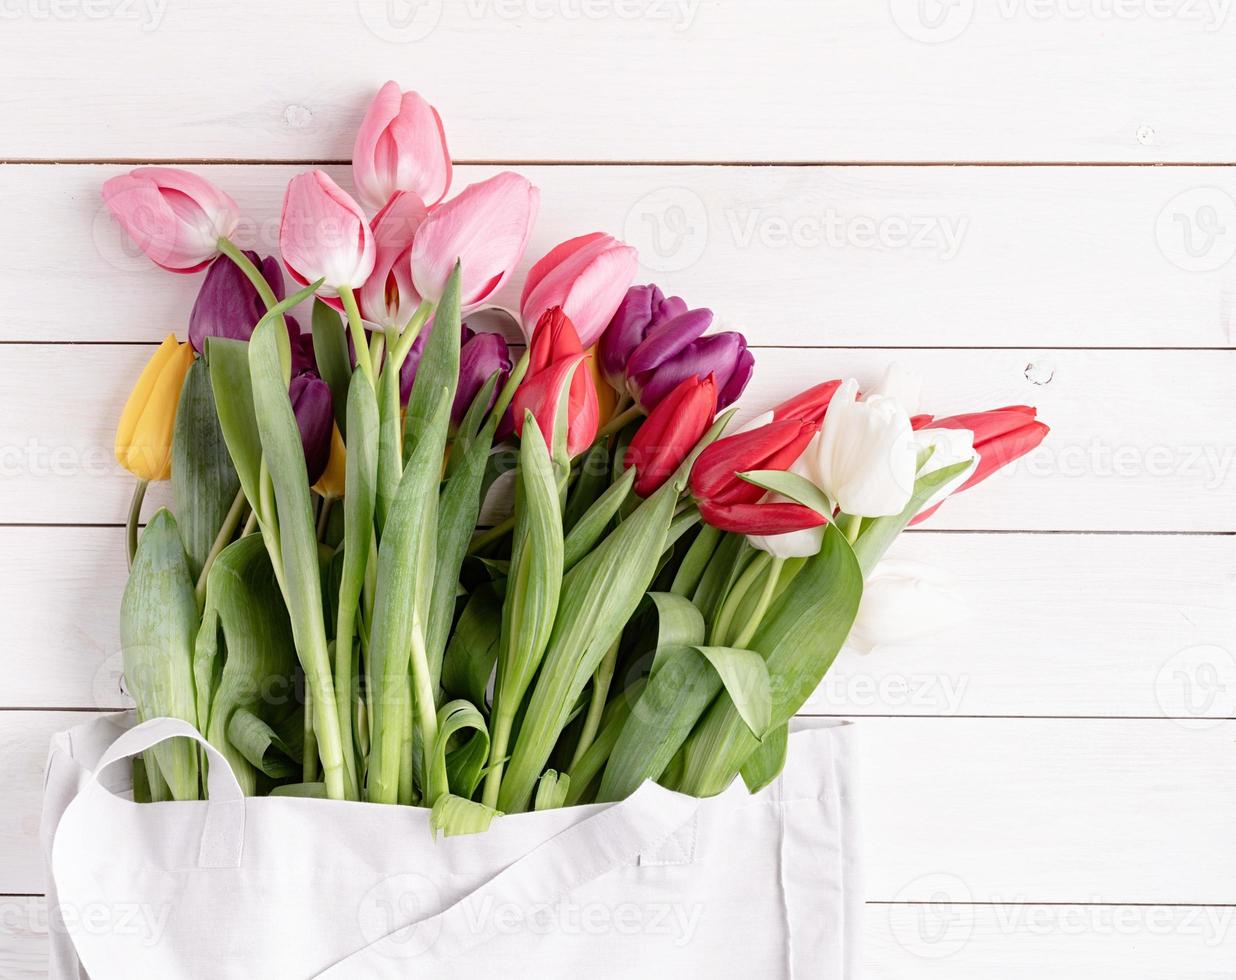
x,y
388,298
400,147
587,276
175,217
324,234
485,228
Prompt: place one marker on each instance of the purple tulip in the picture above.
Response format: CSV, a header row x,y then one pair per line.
x,y
480,355
311,402
654,343
228,305
642,310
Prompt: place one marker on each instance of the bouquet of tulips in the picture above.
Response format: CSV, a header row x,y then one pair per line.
x,y
650,594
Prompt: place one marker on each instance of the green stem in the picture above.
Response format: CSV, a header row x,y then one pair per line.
x,y
620,421
357,329
425,710
324,516
482,539
596,707
250,524
254,275
226,530
502,724
135,516
399,350
746,581
761,607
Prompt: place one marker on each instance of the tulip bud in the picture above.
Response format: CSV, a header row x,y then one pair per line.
x,y
485,229
334,478
144,436
480,355
324,235
587,276
1000,436
174,216
388,297
811,405
312,405
228,304
904,601
641,311
732,504
652,344
865,458
670,432
400,146
556,359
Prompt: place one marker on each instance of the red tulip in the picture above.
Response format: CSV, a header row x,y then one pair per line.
x,y
555,359
810,405
1001,435
671,432
732,504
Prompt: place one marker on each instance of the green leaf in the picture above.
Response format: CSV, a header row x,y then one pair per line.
x,y
798,488
228,361
459,506
405,571
598,597
767,761
260,746
696,561
257,673
297,546
454,816
473,650
551,790
465,765
799,638
588,767
592,481
679,623
204,482
330,352
304,791
158,626
439,365
593,524
745,676
532,590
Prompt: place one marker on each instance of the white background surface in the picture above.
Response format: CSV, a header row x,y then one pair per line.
x,y
968,187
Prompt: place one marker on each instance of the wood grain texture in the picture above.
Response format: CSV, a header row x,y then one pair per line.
x,y
987,810
797,256
1141,440
1150,641
648,79
1017,941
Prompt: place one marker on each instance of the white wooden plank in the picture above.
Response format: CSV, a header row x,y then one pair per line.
x,y
1150,641
1021,941
648,79
926,942
996,810
801,256
1141,440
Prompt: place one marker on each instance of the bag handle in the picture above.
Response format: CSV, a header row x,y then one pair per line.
x,y
616,837
223,831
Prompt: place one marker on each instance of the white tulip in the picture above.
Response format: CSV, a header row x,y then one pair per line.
x,y
948,446
866,459
901,383
792,544
904,601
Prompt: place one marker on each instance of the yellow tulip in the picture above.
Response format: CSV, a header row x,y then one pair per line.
x,y
607,398
144,436
330,483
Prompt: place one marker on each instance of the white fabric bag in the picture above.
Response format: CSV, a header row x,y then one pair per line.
x,y
658,886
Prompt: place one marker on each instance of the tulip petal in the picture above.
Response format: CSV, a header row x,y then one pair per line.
x,y
760,519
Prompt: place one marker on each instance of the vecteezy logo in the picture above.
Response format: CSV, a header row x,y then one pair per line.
x,y
1197,686
397,916
669,226
932,916
400,21
932,21
1196,230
